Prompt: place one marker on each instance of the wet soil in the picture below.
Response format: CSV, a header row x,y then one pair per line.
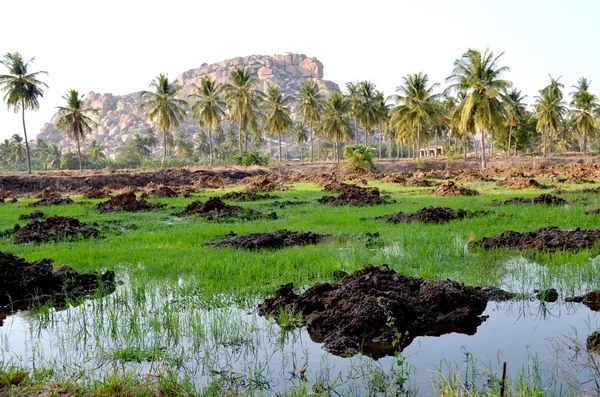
x,y
273,240
266,183
92,193
365,311
521,183
127,202
549,238
419,182
352,195
37,214
214,210
53,228
452,189
248,196
56,200
23,283
430,215
545,198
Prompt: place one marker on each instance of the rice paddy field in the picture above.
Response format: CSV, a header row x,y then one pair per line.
x,y
183,319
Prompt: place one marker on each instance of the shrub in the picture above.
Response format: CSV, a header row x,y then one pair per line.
x,y
251,158
358,158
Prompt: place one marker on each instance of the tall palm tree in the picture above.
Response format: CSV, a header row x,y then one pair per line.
x,y
354,97
368,108
515,110
382,117
310,105
550,110
585,105
416,105
163,108
75,120
481,77
277,115
242,100
335,122
17,149
95,151
300,136
22,89
208,108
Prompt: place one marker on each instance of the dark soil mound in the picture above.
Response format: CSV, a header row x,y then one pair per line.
x,y
429,215
53,228
91,193
472,176
126,202
23,283
47,192
37,214
419,182
364,312
521,183
451,189
549,238
56,200
278,239
591,300
352,195
265,183
157,190
4,194
248,196
545,198
215,210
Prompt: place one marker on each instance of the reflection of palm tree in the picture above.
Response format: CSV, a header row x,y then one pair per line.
x,y
277,117
585,104
310,106
208,109
22,89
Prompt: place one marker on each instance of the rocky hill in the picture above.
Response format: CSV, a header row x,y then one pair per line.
x,y
120,116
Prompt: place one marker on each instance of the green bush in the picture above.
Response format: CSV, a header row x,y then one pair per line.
x,y
251,158
357,158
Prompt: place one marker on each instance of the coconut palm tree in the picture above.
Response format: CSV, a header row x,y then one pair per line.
x,y
242,99
163,108
515,110
550,110
480,76
335,121
75,120
368,108
383,110
416,106
95,151
585,105
277,114
310,105
208,108
22,89
300,135
354,97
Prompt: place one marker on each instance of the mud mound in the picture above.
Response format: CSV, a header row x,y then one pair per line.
x,y
451,189
546,199
56,200
46,193
126,202
4,194
52,229
215,210
92,193
521,183
265,183
353,316
549,238
594,211
278,239
419,182
22,282
154,190
37,214
573,179
352,195
248,196
394,177
472,176
430,215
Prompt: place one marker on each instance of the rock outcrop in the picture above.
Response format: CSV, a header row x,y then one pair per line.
x,y
120,116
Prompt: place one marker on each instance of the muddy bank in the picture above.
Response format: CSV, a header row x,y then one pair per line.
x,y
366,310
550,238
352,195
248,196
23,283
545,198
57,200
452,189
215,210
430,215
53,228
277,239
126,202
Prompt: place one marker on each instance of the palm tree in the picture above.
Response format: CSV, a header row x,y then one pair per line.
x,y
208,108
310,105
74,119
183,144
479,75
515,110
368,108
335,122
383,111
96,151
300,136
242,100
54,156
277,116
585,105
22,89
550,110
416,105
354,97
163,108
17,148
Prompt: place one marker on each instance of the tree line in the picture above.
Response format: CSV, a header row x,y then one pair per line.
x,y
479,101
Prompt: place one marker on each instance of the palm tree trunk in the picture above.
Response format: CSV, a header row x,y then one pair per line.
x,y
210,148
464,144
279,135
26,141
356,129
164,159
79,152
545,143
312,149
367,136
418,151
380,133
483,163
240,135
509,138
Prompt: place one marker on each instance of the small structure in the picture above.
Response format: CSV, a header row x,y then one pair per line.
x,y
432,151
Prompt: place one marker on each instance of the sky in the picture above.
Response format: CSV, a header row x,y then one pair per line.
x,y
118,47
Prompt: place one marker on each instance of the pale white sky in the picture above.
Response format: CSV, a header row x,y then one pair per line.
x,y
119,46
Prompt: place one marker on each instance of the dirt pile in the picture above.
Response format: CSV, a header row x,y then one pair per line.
x,y
452,189
430,215
92,193
266,183
52,229
4,194
248,196
126,202
277,239
57,200
352,195
546,199
549,238
159,190
573,179
591,300
22,282
214,210
419,182
37,214
521,183
364,312
472,176
47,193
